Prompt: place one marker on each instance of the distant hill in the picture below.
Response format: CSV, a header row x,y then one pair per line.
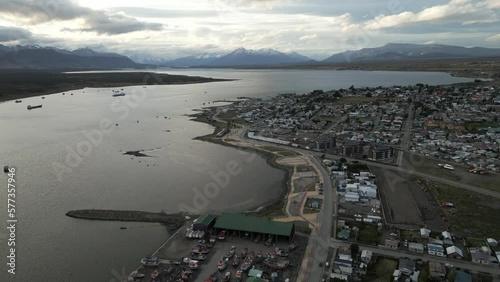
x,y
248,57
195,60
400,52
36,57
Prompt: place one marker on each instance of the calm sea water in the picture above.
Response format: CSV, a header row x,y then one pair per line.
x,y
69,155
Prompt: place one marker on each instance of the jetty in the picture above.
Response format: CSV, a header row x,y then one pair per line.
x,y
124,215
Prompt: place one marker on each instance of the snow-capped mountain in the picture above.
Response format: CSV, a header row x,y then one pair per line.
x,y
400,51
193,60
266,56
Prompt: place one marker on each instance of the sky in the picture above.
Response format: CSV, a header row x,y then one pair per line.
x,y
315,28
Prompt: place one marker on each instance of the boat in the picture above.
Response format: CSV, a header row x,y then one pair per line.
x,y
244,253
280,252
194,265
118,94
231,252
247,263
140,275
155,274
200,250
6,168
227,277
221,235
277,263
214,277
172,227
19,101
150,261
222,264
123,227
198,257
236,261
292,247
33,107
257,239
238,277
259,258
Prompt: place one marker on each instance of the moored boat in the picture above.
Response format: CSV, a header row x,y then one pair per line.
x,y
244,253
150,262
222,264
6,168
281,252
29,107
247,263
277,263
19,101
231,252
200,250
227,277
198,257
155,274
238,277
118,94
259,258
236,261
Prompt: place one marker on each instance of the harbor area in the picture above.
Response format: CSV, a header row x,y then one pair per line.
x,y
211,253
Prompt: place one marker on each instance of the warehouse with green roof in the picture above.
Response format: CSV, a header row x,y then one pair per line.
x,y
204,222
254,226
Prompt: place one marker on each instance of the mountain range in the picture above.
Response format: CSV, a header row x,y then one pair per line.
x,y
36,57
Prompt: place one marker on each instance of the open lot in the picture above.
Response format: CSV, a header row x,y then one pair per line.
x,y
430,166
473,214
399,205
429,209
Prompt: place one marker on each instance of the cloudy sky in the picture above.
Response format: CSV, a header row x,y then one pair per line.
x,y
316,28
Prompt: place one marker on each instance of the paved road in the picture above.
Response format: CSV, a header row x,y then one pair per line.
x,y
493,269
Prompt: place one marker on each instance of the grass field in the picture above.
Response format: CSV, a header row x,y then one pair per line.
x,y
383,269
368,233
474,215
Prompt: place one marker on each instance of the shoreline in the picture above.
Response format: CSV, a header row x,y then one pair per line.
x,y
27,84
270,159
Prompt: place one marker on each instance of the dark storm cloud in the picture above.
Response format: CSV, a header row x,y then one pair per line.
x,y
8,34
36,12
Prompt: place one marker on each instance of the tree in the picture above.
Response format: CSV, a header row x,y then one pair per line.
x,y
343,160
354,250
369,95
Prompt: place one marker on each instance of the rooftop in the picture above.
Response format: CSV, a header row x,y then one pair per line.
x,y
233,221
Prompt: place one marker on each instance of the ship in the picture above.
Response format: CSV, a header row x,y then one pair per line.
x,y
280,252
259,258
150,261
19,101
227,277
244,253
198,257
222,264
6,168
238,277
231,252
236,261
118,94
245,266
200,250
277,263
29,107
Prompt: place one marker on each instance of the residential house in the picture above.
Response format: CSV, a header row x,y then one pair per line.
x,y
391,243
342,277
424,233
343,260
479,257
416,247
437,271
414,276
492,242
446,235
454,252
366,256
435,250
406,266
462,276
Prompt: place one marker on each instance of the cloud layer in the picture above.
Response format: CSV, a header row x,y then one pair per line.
x,y
315,28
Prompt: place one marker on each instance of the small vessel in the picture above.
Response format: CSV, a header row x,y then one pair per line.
x,y
292,247
43,97
198,257
236,261
6,168
150,261
259,258
123,227
155,274
226,277
238,276
33,107
222,264
244,253
200,250
214,277
257,239
221,236
280,252
194,265
278,263
245,266
19,101
172,227
118,94
231,252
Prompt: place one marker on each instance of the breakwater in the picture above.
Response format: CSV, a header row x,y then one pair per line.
x,y
124,215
